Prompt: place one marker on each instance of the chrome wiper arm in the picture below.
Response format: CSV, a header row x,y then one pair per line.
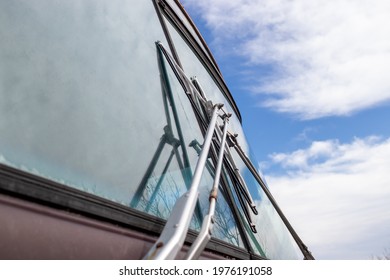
x,y
239,185
173,235
208,221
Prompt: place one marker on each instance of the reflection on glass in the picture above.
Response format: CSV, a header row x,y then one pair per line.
x,y
225,227
157,193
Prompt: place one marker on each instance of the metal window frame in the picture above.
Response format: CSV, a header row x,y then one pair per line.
x,y
36,189
210,64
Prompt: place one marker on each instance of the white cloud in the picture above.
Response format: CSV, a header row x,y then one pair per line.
x,y
337,196
332,57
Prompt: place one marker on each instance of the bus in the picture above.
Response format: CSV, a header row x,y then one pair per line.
x,y
119,139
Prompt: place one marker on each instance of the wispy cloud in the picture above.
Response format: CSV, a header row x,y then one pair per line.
x,y
329,57
337,195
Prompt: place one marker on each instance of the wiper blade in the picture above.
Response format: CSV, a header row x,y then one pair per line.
x,y
305,251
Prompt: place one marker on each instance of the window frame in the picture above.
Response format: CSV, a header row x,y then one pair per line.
x,y
206,59
32,188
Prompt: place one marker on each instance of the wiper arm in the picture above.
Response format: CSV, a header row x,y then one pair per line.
x,y
208,221
173,235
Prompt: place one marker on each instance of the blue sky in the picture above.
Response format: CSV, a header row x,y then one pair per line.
x,y
311,79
